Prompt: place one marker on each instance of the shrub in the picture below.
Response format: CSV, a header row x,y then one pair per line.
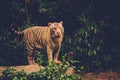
x,y
50,72
88,39
10,74
11,53
87,42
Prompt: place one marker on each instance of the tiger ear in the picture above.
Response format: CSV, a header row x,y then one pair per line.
x,y
61,22
49,24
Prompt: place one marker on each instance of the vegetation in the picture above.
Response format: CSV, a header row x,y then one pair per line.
x,y
50,72
91,41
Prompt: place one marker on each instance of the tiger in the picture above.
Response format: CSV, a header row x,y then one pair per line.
x,y
48,38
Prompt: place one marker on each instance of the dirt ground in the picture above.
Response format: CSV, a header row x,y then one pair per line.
x,y
108,75
27,68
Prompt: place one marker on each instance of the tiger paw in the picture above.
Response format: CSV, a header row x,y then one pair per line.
x,y
57,62
32,62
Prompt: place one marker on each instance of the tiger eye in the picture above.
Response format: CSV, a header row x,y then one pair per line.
x,y
54,28
60,27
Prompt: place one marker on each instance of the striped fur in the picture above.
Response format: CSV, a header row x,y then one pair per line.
x,y
43,37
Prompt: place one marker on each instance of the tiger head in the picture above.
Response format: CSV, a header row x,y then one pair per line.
x,y
56,29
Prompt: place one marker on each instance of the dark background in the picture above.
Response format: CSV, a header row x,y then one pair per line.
x,y
67,10
41,12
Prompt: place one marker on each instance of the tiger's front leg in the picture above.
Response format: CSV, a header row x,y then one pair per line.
x,y
49,54
56,61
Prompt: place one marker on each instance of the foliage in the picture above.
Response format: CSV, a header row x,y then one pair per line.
x,y
91,38
88,39
90,47
54,72
33,12
10,74
50,72
88,42
17,8
41,57
11,53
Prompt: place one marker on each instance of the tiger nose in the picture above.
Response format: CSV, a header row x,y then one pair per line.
x,y
58,33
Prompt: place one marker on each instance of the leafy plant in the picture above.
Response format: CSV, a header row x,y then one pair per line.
x,y
41,57
10,51
53,72
88,38
11,74
86,43
50,72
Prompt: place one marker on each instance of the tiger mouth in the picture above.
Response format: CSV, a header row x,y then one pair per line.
x,y
57,36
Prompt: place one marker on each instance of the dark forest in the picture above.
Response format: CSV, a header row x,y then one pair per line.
x,y
91,39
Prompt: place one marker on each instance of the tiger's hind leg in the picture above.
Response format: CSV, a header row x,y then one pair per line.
x,y
30,55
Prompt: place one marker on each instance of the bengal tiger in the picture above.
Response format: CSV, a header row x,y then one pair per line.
x,y
43,37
